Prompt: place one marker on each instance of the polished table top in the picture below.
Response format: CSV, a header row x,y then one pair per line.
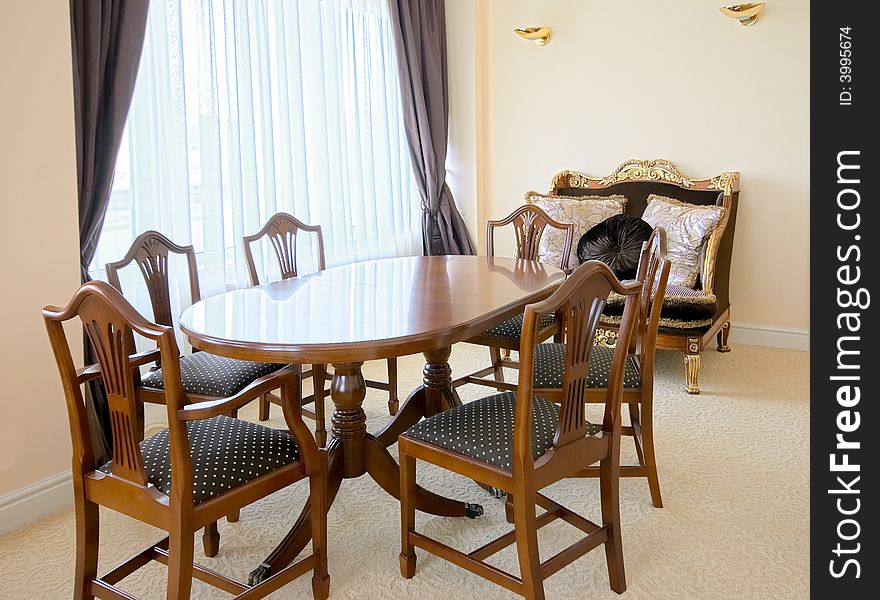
x,y
368,310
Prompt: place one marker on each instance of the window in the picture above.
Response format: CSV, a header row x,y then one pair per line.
x,y
243,109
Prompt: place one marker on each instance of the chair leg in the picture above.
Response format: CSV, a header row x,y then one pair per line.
x,y
495,357
636,421
233,516
527,546
650,462
264,407
722,338
211,540
609,486
407,514
180,562
140,427
318,387
692,366
86,547
318,498
393,400
508,508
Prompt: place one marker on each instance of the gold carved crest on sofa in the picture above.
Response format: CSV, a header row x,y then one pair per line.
x,y
695,313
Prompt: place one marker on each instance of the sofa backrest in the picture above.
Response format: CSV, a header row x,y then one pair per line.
x,y
637,179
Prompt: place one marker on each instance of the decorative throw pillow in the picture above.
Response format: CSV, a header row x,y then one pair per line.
x,y
688,226
617,242
584,211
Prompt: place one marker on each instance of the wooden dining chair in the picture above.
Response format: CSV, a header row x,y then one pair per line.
x,y
521,443
638,381
202,467
529,223
205,376
282,230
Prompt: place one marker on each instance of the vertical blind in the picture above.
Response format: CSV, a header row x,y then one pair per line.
x,y
244,108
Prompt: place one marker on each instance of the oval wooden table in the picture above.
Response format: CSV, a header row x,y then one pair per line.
x,y
369,310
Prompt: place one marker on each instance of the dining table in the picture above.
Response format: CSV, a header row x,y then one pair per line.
x,y
374,309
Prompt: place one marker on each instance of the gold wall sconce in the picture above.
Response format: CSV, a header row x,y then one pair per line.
x,y
746,14
539,35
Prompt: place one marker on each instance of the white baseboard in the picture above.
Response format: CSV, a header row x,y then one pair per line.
x,y
759,335
35,501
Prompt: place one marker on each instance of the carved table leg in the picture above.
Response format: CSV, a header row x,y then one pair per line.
x,y
349,421
434,395
353,452
723,336
692,365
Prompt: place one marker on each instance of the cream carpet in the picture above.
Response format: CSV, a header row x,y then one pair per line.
x,y
734,474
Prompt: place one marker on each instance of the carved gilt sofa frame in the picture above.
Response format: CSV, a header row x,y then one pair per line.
x,y
637,179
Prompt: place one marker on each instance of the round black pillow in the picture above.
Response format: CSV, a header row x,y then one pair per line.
x,y
617,242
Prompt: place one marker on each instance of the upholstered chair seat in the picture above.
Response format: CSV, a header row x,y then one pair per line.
x,y
550,364
225,454
512,328
207,374
483,429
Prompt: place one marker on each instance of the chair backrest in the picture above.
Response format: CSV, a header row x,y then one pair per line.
x,y
150,251
282,230
110,323
653,272
529,223
579,302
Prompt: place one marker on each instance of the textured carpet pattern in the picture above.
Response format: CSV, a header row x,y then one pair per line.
x,y
734,474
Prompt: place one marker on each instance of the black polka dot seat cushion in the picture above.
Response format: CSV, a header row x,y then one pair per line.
x,y
483,429
550,359
226,453
512,328
211,375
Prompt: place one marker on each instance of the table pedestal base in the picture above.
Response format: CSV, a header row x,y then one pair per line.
x,y
354,452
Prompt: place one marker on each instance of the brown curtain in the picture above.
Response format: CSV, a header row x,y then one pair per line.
x,y
419,29
107,38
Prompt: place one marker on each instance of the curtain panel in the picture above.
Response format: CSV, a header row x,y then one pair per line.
x,y
106,39
420,40
244,109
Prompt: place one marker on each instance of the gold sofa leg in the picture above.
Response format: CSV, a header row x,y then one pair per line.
x,y
723,336
692,365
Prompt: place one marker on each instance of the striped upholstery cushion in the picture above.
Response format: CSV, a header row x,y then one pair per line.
x,y
683,308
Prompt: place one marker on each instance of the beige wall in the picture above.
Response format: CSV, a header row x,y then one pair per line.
x,y
668,79
38,235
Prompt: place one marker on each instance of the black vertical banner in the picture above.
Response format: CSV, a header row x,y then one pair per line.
x,y
845,252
